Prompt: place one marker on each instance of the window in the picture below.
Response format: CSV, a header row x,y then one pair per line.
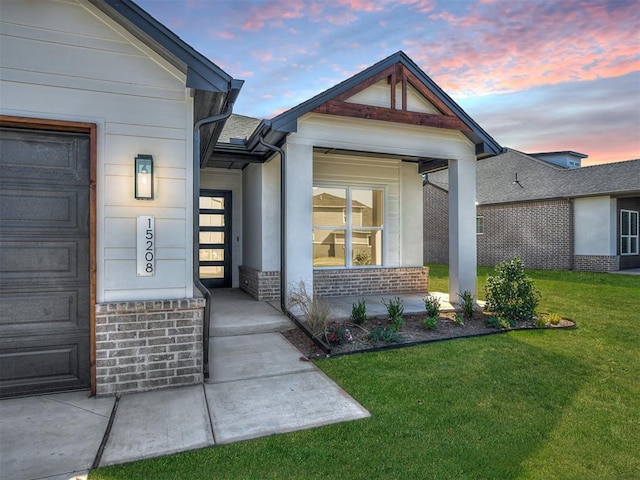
x,y
348,226
479,225
628,232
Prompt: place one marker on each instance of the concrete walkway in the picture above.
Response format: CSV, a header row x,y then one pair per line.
x,y
260,385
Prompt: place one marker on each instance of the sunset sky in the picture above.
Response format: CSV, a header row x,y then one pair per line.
x,y
536,75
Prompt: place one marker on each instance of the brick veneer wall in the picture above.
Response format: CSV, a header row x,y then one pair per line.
x,y
435,227
147,345
539,233
596,263
370,281
260,285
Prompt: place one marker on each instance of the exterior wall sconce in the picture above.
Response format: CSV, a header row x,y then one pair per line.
x,y
144,177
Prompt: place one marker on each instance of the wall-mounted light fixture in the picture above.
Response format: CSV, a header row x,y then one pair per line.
x,y
144,177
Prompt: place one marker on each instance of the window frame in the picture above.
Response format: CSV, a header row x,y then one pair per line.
x,y
348,228
628,236
480,219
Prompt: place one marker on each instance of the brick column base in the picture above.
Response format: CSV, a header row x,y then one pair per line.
x,y
596,263
370,281
260,285
146,345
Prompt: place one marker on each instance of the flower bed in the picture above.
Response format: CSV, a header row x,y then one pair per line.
x,y
412,332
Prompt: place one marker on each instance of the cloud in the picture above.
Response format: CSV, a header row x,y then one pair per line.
x,y
512,46
598,118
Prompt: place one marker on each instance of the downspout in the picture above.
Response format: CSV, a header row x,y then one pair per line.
x,y
283,249
196,230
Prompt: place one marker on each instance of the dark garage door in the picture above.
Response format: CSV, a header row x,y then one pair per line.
x,y
44,261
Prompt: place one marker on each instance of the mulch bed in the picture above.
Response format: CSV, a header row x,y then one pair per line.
x,y
412,332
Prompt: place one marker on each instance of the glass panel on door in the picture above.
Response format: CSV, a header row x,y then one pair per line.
x,y
214,254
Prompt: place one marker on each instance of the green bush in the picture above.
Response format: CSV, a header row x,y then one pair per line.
x,y
362,258
432,305
459,319
385,335
510,293
395,309
466,303
499,322
430,323
553,318
359,312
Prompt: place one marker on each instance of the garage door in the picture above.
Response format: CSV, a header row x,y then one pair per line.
x,y
44,261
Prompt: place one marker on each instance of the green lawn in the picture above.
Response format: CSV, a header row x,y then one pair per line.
x,y
561,404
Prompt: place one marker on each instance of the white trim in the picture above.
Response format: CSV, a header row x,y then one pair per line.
x,y
348,228
631,234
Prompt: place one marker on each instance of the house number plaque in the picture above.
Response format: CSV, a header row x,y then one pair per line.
x,y
146,246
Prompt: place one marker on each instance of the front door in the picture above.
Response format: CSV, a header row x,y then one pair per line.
x,y
215,238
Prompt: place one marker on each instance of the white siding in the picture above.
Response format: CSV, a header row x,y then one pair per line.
x,y
595,226
252,216
353,171
68,61
231,180
379,95
382,137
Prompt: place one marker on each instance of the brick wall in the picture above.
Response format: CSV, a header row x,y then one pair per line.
x,y
539,233
147,345
596,263
436,224
260,285
370,281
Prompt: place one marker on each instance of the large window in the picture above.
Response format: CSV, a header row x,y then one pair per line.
x,y
628,232
347,236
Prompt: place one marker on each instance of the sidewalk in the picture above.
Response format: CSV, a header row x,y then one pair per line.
x,y
260,385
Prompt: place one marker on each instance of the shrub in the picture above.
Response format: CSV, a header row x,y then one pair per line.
x,y
510,293
362,258
337,333
385,335
553,318
395,309
314,308
430,323
459,319
499,322
359,312
396,322
466,303
541,321
432,305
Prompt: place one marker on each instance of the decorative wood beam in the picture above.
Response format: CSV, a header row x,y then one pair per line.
x,y
367,83
428,94
393,81
354,110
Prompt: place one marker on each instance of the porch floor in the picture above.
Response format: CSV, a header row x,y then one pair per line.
x,y
340,307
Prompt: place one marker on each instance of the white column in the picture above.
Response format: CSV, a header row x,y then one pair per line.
x,y
298,215
462,228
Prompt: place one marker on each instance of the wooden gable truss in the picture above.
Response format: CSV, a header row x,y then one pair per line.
x,y
395,74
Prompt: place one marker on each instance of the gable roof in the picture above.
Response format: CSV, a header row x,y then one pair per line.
x,y
542,180
485,145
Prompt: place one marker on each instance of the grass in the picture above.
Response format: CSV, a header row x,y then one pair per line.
x,y
562,404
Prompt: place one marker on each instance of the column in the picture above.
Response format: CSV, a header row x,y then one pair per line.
x,y
462,228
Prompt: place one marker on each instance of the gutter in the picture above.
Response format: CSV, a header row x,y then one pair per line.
x,y
283,249
196,226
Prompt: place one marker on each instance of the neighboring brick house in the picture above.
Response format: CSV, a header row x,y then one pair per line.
x,y
551,215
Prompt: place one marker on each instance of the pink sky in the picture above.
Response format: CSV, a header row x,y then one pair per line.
x,y
536,75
